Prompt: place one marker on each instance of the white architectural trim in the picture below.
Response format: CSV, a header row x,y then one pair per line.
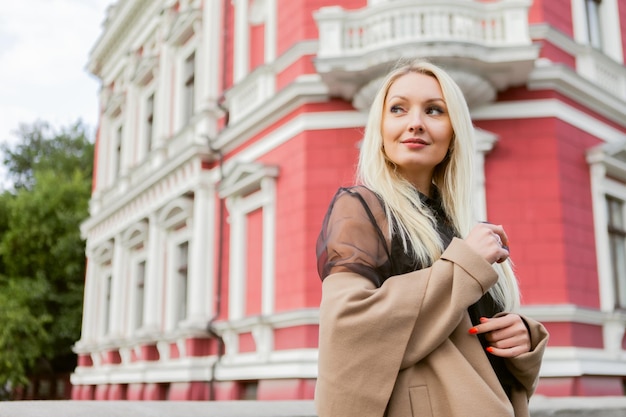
x,y
284,364
154,278
573,362
176,221
247,188
299,124
304,89
608,178
610,27
530,109
485,142
201,263
242,45
586,84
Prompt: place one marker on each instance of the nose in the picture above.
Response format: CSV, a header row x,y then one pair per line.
x,y
415,122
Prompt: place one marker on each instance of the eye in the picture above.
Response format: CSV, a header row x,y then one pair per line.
x,y
396,109
435,110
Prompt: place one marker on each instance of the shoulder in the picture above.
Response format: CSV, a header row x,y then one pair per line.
x,y
358,194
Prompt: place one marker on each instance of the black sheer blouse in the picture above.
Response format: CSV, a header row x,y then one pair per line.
x,y
354,238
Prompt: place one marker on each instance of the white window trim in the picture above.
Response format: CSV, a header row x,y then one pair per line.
x,y
247,188
95,300
610,27
135,237
178,230
603,166
485,142
146,92
182,53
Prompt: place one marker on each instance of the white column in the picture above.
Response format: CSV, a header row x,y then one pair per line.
x,y
201,271
100,164
600,217
153,279
90,302
484,144
163,97
268,187
271,29
242,43
118,292
237,265
129,132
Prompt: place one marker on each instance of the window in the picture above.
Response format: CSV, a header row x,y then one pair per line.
x,y
617,245
149,123
117,151
182,280
594,33
188,90
106,307
597,23
608,184
140,281
175,220
249,188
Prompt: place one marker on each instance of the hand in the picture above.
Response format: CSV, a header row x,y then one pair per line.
x,y
489,241
507,335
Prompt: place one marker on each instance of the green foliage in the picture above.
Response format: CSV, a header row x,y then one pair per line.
x,y
42,259
40,147
22,333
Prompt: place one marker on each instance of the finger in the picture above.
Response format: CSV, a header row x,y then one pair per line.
x,y
507,353
488,325
498,230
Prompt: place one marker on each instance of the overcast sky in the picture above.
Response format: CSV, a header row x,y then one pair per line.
x,y
44,48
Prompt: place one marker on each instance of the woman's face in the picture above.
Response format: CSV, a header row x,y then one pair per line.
x,y
416,128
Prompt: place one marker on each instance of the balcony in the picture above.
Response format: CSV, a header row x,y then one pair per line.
x,y
486,46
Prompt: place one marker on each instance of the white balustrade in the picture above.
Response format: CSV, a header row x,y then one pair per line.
x,y
353,32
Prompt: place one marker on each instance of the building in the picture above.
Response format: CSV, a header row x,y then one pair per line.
x,y
227,125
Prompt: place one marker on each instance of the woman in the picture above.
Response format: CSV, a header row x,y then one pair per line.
x,y
416,317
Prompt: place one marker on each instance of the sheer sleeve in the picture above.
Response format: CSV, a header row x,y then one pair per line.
x,y
352,238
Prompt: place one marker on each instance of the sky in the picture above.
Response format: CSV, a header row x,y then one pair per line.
x,y
44,49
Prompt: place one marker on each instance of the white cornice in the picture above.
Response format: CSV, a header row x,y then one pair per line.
x,y
530,109
116,40
570,313
572,362
563,79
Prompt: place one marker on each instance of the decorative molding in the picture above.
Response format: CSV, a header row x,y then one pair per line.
x,y
574,362
244,178
540,108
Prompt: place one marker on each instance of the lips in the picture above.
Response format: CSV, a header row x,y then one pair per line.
x,y
417,141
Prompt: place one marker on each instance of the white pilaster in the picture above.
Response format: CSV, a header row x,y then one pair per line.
x,y
90,302
154,278
201,271
242,43
271,31
237,259
268,189
163,97
118,290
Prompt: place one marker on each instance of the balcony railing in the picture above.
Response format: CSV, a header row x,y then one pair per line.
x,y
348,33
488,40
603,71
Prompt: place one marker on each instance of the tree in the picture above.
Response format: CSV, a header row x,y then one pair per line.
x,y
42,259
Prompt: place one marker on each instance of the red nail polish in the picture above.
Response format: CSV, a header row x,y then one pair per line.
x,y
489,349
473,330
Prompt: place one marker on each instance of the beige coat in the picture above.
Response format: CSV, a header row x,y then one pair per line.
x,y
404,350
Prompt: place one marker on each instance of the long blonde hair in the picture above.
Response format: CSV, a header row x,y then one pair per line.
x,y
411,220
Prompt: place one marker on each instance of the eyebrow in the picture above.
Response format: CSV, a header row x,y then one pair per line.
x,y
430,100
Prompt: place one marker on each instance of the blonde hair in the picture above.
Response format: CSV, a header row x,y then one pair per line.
x,y
409,218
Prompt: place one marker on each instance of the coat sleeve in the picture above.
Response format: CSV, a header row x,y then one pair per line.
x,y
364,330
525,368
